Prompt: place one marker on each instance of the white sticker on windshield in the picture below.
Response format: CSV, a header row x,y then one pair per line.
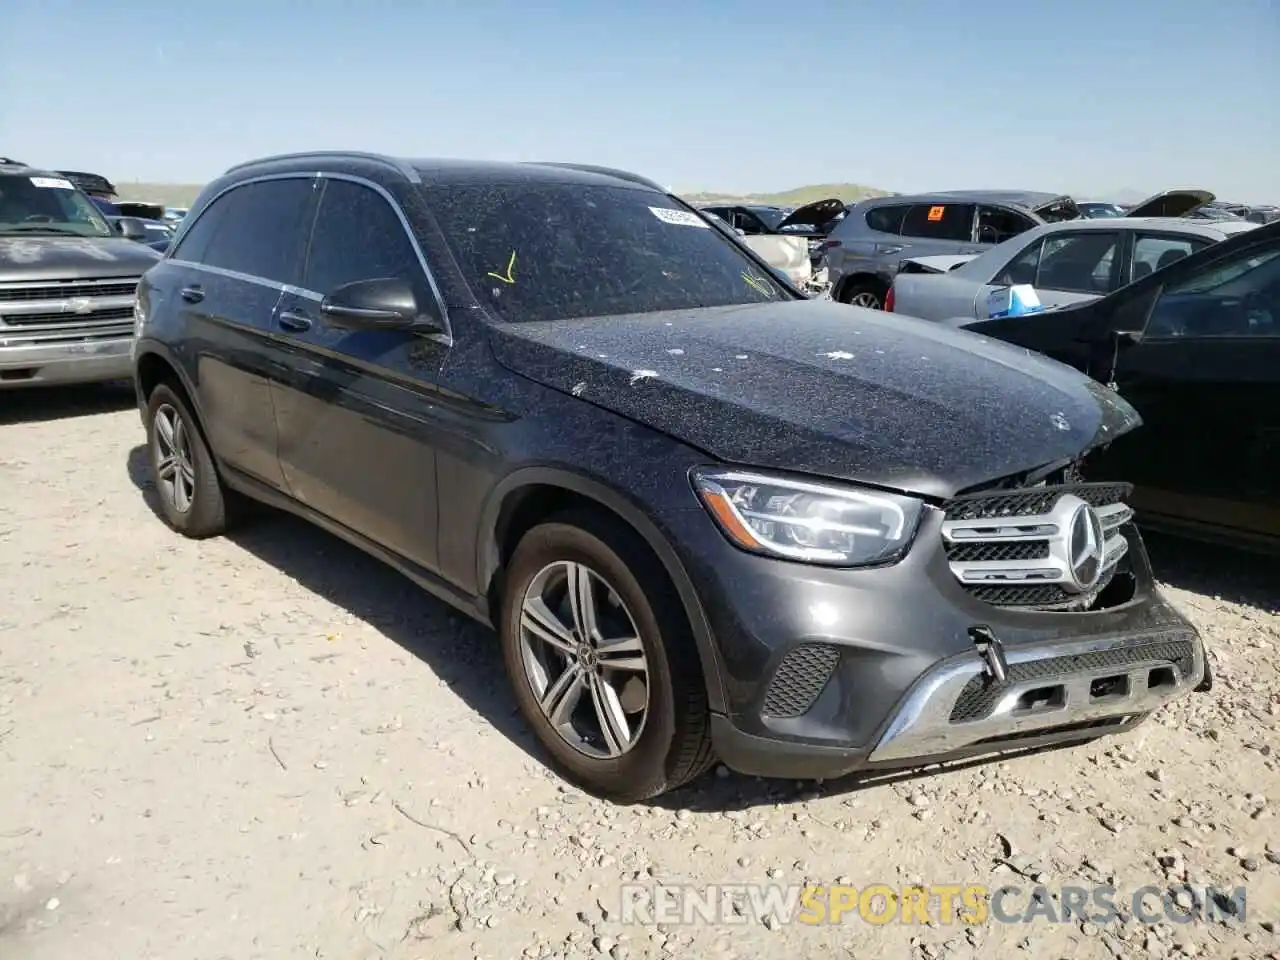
x,y
52,183
681,218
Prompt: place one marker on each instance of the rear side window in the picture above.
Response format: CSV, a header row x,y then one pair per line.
x,y
358,236
195,242
887,219
1153,251
262,230
939,221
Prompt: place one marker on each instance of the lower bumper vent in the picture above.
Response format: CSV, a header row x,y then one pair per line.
x,y
800,677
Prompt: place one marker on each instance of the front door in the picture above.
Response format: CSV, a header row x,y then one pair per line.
x,y
1206,379
356,413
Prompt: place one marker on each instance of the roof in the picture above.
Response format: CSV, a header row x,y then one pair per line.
x,y
1210,229
1018,198
21,169
434,171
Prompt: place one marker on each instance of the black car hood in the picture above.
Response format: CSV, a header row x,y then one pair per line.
x,y
812,214
823,388
34,257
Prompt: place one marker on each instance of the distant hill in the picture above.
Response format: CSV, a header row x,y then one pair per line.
x,y
169,194
182,194
848,192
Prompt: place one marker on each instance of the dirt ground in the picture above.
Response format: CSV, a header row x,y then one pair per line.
x,y
270,746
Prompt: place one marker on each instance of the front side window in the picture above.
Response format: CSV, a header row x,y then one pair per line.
x,y
262,230
1078,262
50,205
996,224
358,236
1236,297
552,251
939,221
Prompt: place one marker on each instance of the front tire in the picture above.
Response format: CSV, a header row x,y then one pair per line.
x,y
192,500
602,660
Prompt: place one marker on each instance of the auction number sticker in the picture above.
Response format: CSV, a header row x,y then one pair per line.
x,y
52,183
935,213
681,218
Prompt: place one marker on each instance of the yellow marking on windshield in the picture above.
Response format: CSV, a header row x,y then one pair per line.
x,y
759,284
510,276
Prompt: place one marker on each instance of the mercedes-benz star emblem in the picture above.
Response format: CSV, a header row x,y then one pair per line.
x,y
79,305
1084,547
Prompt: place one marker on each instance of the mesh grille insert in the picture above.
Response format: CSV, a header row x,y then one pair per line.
x,y
800,677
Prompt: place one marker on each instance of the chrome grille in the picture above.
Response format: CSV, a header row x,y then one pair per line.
x,y
1047,548
47,312
66,289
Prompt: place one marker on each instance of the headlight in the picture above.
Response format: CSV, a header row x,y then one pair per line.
x,y
812,522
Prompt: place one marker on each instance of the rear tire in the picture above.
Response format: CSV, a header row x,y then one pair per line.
x,y
865,293
192,499
664,737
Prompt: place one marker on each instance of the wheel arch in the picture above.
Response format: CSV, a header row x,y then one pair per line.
x,y
861,277
528,496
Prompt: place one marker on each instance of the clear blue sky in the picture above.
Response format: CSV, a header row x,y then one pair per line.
x,y
1089,96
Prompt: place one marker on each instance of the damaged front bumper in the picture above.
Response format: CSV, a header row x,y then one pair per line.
x,y
1086,687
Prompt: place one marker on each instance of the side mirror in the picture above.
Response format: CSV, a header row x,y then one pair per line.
x,y
131,228
1127,338
388,303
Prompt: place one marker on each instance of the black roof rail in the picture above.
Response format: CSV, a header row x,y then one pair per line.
x,y
9,161
399,166
603,171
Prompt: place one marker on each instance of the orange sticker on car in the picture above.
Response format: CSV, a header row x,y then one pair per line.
x,y
935,213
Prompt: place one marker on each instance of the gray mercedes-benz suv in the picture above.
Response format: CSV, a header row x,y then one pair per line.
x,y
706,515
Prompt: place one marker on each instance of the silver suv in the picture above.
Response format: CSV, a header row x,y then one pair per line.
x,y
867,247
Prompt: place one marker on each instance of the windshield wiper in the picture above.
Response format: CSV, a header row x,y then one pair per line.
x,y
42,228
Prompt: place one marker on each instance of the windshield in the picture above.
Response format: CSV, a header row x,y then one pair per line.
x,y
36,204
551,251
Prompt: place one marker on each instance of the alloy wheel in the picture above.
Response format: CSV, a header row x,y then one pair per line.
x,y
865,298
584,659
171,453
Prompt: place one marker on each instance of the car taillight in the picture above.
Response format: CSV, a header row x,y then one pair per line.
x,y
888,301
830,244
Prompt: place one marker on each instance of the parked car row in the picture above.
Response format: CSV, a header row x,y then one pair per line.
x,y
858,540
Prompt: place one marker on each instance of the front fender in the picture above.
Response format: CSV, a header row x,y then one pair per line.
x,y
488,553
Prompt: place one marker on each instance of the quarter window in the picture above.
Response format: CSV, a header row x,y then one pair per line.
x,y
939,221
358,236
261,230
887,219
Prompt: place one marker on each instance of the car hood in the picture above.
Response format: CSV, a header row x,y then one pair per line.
x,y
35,257
1171,203
827,389
813,214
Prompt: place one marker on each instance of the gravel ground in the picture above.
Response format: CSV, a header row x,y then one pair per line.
x,y
271,746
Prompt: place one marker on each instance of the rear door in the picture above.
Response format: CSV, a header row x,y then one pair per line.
x,y
234,261
930,229
357,412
